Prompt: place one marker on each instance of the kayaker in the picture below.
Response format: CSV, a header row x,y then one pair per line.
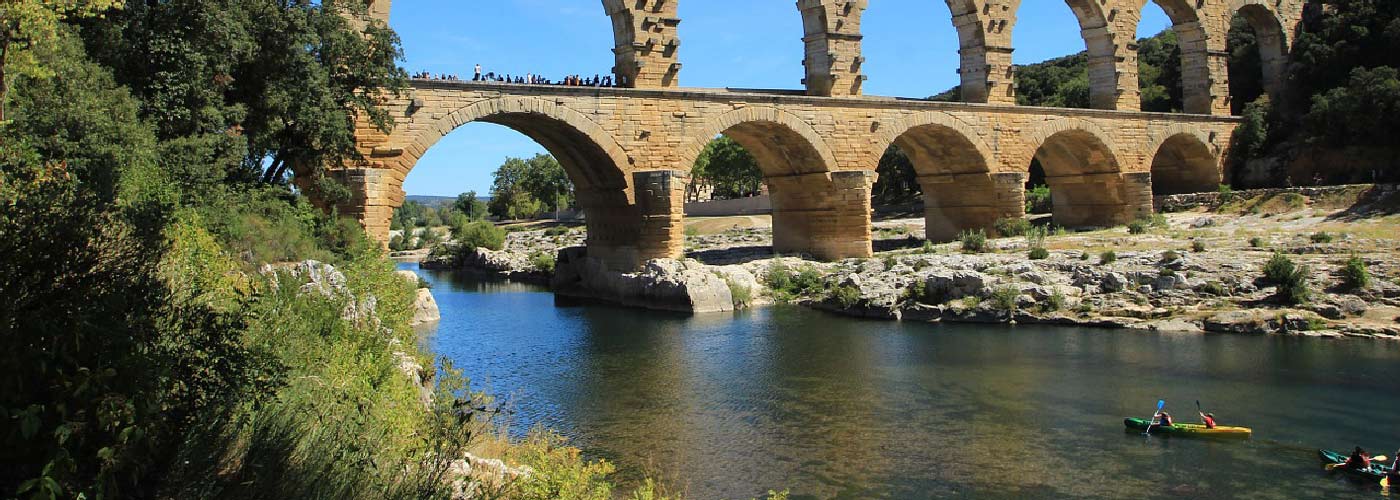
x,y
1164,419
1360,460
1208,419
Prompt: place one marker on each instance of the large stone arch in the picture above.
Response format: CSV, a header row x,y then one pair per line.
x,y
816,210
955,169
620,217
1087,182
1183,161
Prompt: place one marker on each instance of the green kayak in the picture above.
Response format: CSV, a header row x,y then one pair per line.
x,y
1191,430
1374,474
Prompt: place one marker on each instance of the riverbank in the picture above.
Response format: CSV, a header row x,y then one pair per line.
x,y
1201,269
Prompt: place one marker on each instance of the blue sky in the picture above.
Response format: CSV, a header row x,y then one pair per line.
x,y
910,46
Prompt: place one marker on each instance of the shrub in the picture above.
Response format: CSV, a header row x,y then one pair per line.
x,y
542,262
1108,257
1278,268
1198,246
1215,288
396,243
1012,226
1137,227
1355,276
973,241
846,295
482,234
1038,200
1170,256
557,231
1291,280
1083,255
928,247
889,261
741,294
691,232
1055,302
787,285
1035,239
1006,298
1321,237
778,277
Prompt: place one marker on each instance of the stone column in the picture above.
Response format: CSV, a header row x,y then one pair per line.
x,y
833,46
1137,196
954,203
624,234
1112,72
647,43
374,194
661,205
849,233
1195,69
984,41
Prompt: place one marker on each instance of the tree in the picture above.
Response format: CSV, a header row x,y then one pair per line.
x,y
733,171
281,83
527,188
26,24
467,204
898,181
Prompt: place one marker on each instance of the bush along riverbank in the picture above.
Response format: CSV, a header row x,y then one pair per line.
x,y
1276,262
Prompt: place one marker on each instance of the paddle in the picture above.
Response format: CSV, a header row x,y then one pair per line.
x,y
1161,403
1199,412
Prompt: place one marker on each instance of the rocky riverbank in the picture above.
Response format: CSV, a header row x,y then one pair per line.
x,y
1200,270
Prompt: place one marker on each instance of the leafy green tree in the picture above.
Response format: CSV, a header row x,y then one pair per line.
x,y
527,188
279,82
467,204
1366,112
27,24
731,168
1246,65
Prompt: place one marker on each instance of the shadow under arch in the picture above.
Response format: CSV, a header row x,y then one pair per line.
x,y
1087,186
1184,162
594,162
954,168
811,215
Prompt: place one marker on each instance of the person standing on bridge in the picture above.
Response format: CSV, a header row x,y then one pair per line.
x,y
477,78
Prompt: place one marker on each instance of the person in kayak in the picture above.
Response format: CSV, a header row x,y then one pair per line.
x,y
1164,419
1208,419
1360,460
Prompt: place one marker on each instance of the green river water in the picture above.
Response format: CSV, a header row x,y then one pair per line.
x,y
732,405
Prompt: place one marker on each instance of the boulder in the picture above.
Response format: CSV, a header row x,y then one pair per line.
x,y
1114,282
665,284
951,285
425,308
408,276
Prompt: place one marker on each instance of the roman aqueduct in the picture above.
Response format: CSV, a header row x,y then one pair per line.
x,y
628,150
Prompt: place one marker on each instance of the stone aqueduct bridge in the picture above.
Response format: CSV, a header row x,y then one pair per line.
x,y
628,150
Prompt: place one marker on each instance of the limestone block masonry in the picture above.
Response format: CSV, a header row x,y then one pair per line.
x,y
629,150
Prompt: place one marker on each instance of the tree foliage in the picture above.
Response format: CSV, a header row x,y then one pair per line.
x,y
730,168
898,181
524,189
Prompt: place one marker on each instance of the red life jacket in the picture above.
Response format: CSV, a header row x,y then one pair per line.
x,y
1210,423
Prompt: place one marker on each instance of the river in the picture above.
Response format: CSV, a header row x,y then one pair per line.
x,y
731,405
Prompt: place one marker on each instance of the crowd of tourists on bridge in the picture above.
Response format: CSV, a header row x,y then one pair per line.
x,y
528,79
